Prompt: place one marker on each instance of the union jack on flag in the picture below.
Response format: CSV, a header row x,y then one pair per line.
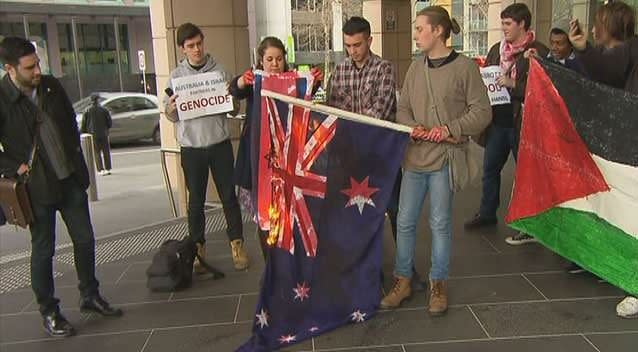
x,y
291,156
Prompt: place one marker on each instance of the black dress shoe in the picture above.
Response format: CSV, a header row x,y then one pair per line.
x,y
97,304
57,326
478,222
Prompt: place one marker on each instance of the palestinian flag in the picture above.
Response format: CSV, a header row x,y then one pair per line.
x,y
576,183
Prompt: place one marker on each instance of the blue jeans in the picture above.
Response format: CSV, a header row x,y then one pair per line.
x,y
500,141
414,188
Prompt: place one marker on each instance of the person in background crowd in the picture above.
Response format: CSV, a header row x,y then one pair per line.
x,y
97,121
205,146
444,99
364,83
272,60
35,109
614,61
502,134
562,51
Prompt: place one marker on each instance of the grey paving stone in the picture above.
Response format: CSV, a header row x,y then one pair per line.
x,y
28,326
247,308
128,342
544,344
15,301
209,338
369,349
105,273
135,273
124,293
398,327
532,319
491,264
167,314
564,285
480,290
615,342
234,283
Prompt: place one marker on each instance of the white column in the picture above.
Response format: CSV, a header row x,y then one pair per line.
x,y
270,19
53,43
337,25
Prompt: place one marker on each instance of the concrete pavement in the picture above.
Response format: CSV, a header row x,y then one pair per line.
x,y
502,298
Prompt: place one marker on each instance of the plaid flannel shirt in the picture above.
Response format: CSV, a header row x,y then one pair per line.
x,y
370,90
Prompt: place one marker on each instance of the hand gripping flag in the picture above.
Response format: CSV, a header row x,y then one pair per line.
x,y
576,183
323,184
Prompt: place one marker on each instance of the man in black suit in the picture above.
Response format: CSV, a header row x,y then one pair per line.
x,y
35,110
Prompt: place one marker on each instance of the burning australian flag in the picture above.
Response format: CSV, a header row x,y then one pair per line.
x,y
323,185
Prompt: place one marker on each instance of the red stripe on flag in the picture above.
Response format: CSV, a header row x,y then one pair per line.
x,y
554,165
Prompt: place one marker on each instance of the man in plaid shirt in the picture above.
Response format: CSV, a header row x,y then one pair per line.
x,y
364,83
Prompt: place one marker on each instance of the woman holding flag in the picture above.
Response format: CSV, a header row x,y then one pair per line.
x,y
445,100
272,60
613,62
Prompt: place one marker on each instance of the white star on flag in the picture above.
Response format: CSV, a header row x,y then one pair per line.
x,y
301,292
287,339
262,319
360,194
358,317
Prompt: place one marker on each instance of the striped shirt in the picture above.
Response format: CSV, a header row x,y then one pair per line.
x,y
370,90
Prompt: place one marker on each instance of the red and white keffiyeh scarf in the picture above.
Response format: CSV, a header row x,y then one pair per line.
x,y
510,50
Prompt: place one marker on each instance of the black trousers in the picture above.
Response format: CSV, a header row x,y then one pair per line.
x,y
102,149
74,208
196,163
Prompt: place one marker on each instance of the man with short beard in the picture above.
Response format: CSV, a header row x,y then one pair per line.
x,y
40,140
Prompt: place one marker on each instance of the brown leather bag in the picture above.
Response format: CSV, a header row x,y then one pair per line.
x,y
15,203
14,197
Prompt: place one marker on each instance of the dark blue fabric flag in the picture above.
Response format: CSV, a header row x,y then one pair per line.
x,y
324,185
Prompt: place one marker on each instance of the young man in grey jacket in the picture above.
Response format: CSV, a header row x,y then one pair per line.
x,y
205,145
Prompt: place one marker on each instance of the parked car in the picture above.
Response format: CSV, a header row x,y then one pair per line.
x,y
135,115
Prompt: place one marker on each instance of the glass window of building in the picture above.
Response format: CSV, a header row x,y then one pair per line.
x,y
457,12
11,29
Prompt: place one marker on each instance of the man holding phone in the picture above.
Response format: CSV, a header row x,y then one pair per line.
x,y
205,146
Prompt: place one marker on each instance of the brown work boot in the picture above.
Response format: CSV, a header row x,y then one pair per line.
x,y
400,291
198,268
438,297
240,257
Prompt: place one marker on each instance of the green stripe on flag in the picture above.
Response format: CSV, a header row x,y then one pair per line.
x,y
588,240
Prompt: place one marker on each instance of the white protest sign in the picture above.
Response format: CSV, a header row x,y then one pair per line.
x,y
498,95
202,94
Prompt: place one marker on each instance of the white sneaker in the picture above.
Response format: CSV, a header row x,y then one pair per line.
x,y
107,172
520,239
628,308
101,173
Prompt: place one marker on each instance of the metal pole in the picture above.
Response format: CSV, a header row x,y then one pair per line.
x,y
167,180
76,56
346,115
144,79
86,140
25,23
117,51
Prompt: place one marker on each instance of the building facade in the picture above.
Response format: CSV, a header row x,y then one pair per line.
x,y
90,45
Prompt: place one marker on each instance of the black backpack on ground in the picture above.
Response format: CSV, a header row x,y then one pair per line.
x,y
172,266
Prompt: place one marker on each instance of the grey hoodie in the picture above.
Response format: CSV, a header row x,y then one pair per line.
x,y
206,130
